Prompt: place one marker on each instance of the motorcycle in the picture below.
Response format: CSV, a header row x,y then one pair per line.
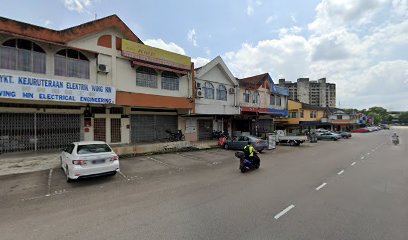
x,y
175,136
246,164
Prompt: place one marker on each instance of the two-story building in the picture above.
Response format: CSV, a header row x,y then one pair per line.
x,y
261,101
216,101
303,118
341,120
94,81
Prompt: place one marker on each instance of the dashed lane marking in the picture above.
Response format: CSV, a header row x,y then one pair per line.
x,y
321,186
362,157
353,163
341,172
284,211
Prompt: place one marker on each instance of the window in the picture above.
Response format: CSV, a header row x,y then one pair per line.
x,y
70,148
246,96
93,148
339,117
293,114
256,97
146,77
170,81
272,99
208,90
313,114
71,63
278,101
22,55
302,114
222,93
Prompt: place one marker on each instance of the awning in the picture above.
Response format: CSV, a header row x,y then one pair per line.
x,y
154,66
313,123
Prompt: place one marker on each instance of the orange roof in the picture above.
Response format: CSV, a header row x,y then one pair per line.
x,y
64,36
253,82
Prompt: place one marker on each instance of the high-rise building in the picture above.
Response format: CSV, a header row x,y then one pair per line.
x,y
319,93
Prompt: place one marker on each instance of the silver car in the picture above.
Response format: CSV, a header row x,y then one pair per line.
x,y
242,141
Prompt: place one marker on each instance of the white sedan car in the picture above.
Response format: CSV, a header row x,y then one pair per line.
x,y
88,159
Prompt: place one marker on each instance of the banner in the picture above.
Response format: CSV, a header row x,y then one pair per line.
x,y
155,55
32,88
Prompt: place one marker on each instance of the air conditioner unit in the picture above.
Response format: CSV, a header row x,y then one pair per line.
x,y
199,94
232,90
198,85
103,68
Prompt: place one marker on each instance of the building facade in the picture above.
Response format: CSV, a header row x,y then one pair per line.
x,y
261,101
340,120
94,81
318,93
216,101
303,118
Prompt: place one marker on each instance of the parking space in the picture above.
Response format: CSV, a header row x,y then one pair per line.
x,y
24,186
142,167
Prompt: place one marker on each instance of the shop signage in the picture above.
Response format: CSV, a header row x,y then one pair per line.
x,y
31,88
155,55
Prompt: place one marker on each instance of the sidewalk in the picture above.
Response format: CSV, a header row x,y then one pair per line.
x,y
15,163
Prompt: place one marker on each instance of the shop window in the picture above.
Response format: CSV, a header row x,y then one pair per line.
x,y
22,55
339,117
222,93
71,63
146,77
272,99
302,114
208,90
246,96
313,114
170,81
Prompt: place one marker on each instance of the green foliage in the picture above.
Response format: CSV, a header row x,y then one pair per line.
x,y
403,117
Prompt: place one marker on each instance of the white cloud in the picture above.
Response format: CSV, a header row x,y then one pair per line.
x,y
293,18
200,61
339,13
77,5
400,7
271,19
251,6
207,51
171,46
293,31
47,23
192,37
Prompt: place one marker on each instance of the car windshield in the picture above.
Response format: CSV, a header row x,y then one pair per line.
x,y
93,148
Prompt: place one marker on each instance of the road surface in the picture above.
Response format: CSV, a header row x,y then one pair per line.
x,y
350,189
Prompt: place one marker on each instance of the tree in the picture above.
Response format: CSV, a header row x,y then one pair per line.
x,y
379,114
403,117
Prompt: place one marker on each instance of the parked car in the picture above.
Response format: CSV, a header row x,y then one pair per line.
x,y
361,130
321,130
242,141
88,159
328,136
344,134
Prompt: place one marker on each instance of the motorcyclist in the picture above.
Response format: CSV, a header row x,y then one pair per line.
x,y
395,137
250,153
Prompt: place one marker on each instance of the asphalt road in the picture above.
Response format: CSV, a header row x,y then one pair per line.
x,y
350,189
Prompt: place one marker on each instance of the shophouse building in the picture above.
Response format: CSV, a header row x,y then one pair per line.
x,y
216,101
261,101
94,81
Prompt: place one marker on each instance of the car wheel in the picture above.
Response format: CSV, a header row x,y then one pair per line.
x,y
334,139
226,147
292,143
260,151
67,175
243,169
62,168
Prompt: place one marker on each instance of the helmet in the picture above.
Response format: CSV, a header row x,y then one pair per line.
x,y
249,142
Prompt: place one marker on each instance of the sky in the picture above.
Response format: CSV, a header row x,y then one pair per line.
x,y
361,45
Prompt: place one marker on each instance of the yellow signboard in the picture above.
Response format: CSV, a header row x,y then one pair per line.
x,y
151,54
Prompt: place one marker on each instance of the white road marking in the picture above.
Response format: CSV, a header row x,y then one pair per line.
x,y
284,211
123,175
368,153
353,163
160,162
362,157
341,172
321,186
49,183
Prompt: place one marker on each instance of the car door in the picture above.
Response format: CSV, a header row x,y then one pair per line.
x,y
242,142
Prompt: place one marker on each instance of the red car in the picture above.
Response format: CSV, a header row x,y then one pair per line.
x,y
361,130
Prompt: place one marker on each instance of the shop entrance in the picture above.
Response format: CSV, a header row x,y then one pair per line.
x,y
205,129
21,132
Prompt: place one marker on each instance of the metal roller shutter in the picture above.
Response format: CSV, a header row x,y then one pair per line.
x,y
151,128
205,129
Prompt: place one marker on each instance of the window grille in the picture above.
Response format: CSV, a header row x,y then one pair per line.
x,y
170,81
222,93
272,99
115,130
22,55
278,101
246,96
146,77
208,90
